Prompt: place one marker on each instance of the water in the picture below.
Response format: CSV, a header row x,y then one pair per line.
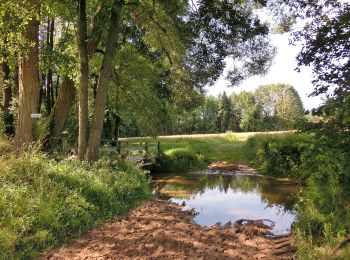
x,y
229,198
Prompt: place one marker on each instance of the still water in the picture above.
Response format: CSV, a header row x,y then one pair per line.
x,y
222,199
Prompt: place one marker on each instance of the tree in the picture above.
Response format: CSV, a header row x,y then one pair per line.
x,y
325,39
13,20
83,80
247,111
224,113
7,97
209,111
326,43
28,80
95,132
280,105
142,56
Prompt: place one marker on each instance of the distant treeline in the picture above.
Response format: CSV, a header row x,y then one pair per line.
x,y
268,108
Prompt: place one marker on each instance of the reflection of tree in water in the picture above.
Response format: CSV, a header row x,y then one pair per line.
x,y
273,192
278,193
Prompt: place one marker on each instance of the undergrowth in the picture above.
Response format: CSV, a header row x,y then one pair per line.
x,y
279,155
180,160
44,203
324,206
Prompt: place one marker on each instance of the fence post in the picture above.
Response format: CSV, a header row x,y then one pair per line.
x,y
158,147
119,147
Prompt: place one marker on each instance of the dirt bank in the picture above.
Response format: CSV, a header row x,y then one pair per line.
x,y
159,230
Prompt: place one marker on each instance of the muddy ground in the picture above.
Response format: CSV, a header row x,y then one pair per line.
x,y
160,230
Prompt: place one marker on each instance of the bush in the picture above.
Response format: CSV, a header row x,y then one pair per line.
x,y
279,155
180,160
44,203
323,207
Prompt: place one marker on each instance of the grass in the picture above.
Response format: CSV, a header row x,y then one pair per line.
x,y
44,203
213,149
228,146
230,135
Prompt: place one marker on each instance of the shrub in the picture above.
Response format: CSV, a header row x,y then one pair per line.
x,y
44,203
180,160
323,207
279,155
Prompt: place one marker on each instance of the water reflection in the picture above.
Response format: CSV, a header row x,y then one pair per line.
x,y
229,198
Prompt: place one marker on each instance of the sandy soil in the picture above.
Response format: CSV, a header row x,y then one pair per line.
x,y
159,230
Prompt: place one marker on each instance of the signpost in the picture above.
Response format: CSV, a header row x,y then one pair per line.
x,y
35,116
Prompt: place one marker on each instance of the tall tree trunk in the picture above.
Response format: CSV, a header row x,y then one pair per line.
x,y
103,83
28,83
83,80
50,73
66,95
16,82
60,111
56,86
49,79
7,98
41,91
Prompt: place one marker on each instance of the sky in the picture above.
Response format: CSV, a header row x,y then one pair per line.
x,y
282,71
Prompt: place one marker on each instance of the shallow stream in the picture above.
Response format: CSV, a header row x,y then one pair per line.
x,y
224,198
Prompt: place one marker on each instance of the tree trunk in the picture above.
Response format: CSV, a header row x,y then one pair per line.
x,y
7,99
28,83
83,80
41,91
103,84
49,79
61,111
65,96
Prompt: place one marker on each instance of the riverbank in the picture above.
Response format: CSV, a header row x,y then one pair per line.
x,y
157,229
44,203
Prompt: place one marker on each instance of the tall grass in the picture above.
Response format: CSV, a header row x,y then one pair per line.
x,y
44,203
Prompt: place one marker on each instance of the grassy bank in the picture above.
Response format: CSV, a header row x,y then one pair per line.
x,y
214,149
229,147
195,154
324,212
44,203
279,155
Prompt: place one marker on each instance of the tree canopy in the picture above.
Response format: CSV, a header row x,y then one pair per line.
x,y
125,58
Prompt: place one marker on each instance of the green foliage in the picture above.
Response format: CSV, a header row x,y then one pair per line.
x,y
280,106
325,39
324,209
281,155
247,113
225,114
43,203
181,160
270,108
229,148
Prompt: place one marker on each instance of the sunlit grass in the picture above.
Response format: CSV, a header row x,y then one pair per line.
x,y
214,147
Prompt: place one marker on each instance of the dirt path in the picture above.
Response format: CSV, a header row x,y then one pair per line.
x,y
159,230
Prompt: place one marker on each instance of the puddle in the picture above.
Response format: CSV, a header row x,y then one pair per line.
x,y
224,198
